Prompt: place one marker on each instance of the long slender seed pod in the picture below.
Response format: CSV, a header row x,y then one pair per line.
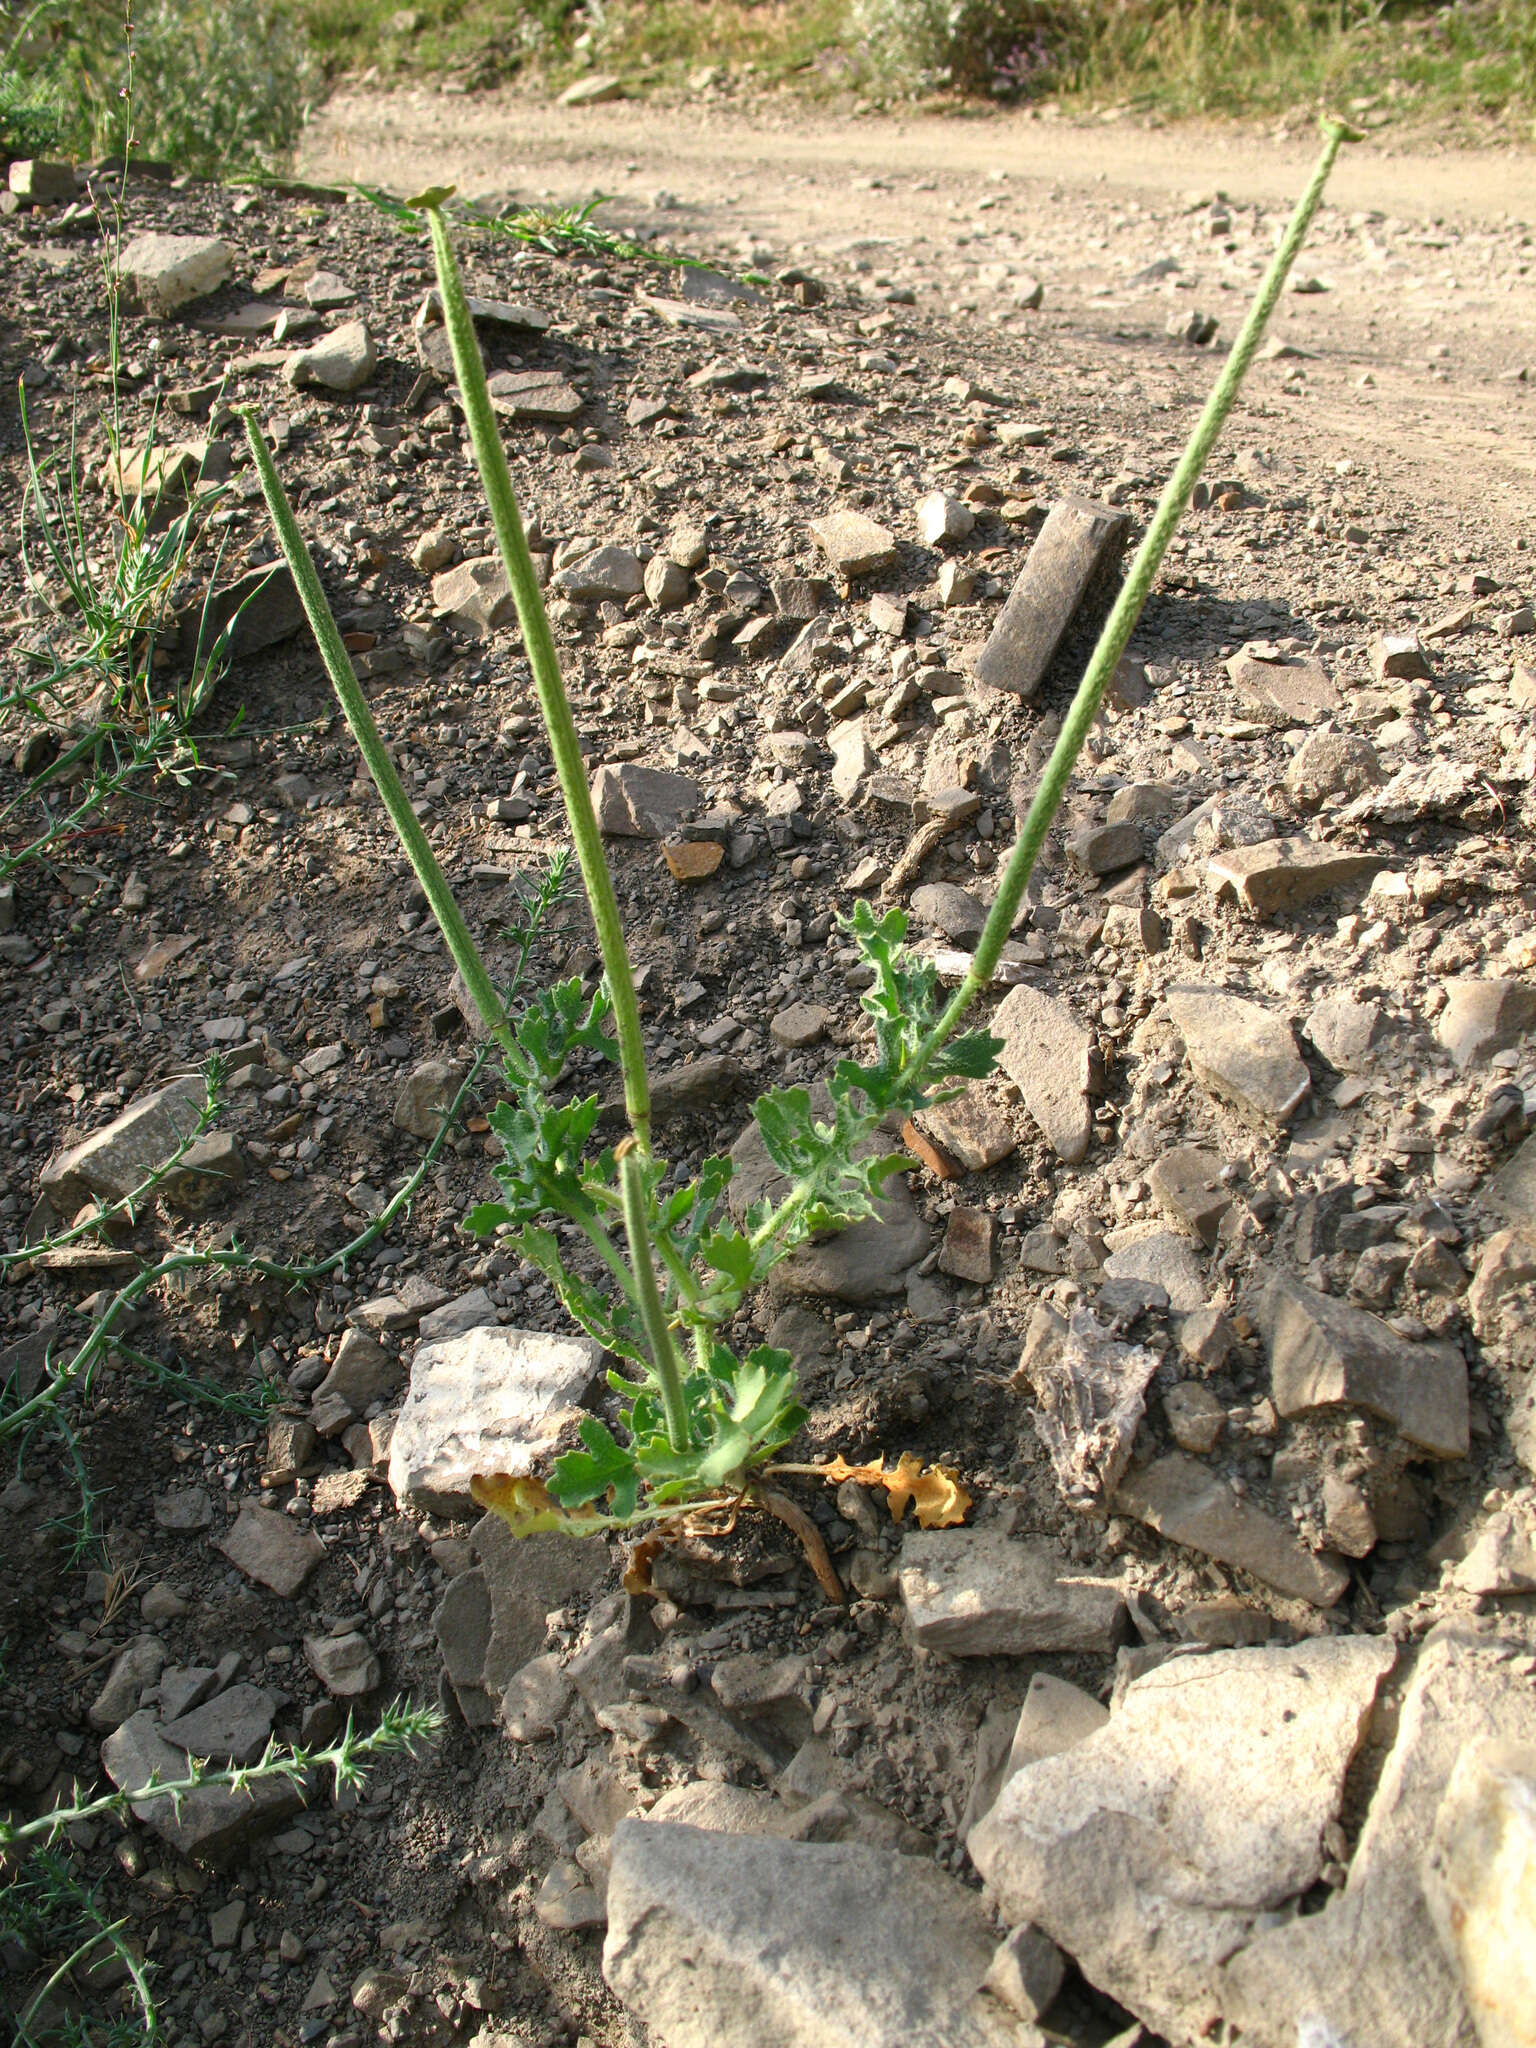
x,y
370,744
653,1316
539,641
1134,592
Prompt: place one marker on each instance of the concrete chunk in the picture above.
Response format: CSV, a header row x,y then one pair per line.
x,y
981,1593
1079,542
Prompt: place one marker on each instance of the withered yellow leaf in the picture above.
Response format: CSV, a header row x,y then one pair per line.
x,y
528,1507
934,1491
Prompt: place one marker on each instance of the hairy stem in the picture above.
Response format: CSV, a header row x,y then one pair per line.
x,y
539,642
653,1317
1121,622
370,744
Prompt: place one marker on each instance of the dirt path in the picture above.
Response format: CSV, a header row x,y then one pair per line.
x,y
1411,350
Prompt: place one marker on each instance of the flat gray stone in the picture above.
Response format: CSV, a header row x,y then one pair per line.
x,y
363,1372
231,1728
527,394
490,1401
1332,764
1370,1967
1346,1031
1189,1504
947,908
511,316
345,1665
208,1825
1241,1052
716,1937
1079,543
472,1310
1511,1192
1162,1259
1281,875
113,1162
1287,689
527,1578
635,802
1048,1053
1186,1184
1149,1850
135,1666
981,1593
272,1549
1325,1353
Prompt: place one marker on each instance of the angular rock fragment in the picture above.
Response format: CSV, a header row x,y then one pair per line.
x,y
971,1130
1512,1190
854,545
1079,543
345,1664
342,360
534,395
1162,1260
1187,1183
1369,1967
1282,874
491,1401
1483,1016
165,272
1325,1353
1188,1504
1241,1052
1332,764
642,803
1480,1884
1149,1850
1049,1053
272,1549
230,1728
208,1825
1346,1030
1286,688
526,1578
981,1593
111,1163
609,573
716,1937
477,594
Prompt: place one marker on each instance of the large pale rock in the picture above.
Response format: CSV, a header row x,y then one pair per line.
x,y
1241,1052
1287,689
1048,1053
477,594
1369,1968
1502,1304
112,1162
492,1400
230,1728
208,1825
166,272
1480,1881
1148,1850
718,1938
1325,1353
982,1593
1189,1504
610,574
1282,874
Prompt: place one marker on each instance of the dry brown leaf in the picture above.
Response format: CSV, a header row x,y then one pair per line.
x,y
637,1572
528,1508
935,1492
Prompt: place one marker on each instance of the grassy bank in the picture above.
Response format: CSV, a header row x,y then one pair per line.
x,y
226,82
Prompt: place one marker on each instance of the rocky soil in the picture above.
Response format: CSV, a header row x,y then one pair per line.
x,y
1221,1296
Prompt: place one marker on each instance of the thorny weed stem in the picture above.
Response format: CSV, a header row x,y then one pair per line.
x,y
1134,592
539,644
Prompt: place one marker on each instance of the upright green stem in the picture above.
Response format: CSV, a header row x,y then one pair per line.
x,y
653,1316
1134,592
539,641
370,744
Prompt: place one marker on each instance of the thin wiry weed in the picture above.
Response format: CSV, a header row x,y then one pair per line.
x,y
555,230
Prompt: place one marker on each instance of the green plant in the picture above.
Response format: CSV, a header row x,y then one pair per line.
x,y
666,1268
221,84
46,1906
966,44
